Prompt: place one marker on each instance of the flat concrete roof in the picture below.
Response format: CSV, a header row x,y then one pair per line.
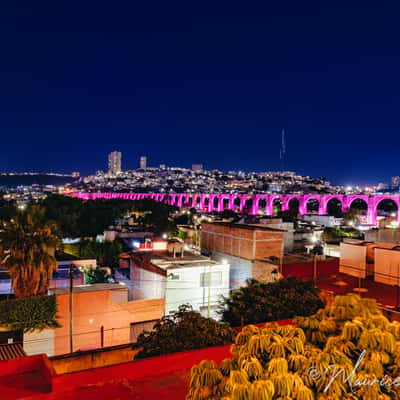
x,y
252,227
96,287
165,260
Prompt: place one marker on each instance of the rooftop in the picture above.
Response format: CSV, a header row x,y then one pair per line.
x,y
97,287
252,227
165,260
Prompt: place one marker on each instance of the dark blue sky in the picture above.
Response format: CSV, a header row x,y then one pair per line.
x,y
211,82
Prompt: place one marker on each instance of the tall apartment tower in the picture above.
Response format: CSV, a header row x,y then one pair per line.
x,y
143,162
197,167
395,182
114,163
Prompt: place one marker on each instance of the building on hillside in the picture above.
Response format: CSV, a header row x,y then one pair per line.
x,y
247,248
197,167
328,221
181,277
101,316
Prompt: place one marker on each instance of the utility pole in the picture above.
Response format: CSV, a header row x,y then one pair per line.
x,y
209,293
315,269
398,288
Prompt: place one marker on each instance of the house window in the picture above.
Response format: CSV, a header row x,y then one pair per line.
x,y
211,279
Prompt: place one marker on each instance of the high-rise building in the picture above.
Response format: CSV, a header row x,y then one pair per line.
x,y
197,167
114,163
143,162
395,182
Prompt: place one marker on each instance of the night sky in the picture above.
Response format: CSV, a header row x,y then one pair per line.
x,y
193,82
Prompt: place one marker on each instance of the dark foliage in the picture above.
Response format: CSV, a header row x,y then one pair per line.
x,y
183,330
96,275
262,302
78,218
106,253
29,313
7,208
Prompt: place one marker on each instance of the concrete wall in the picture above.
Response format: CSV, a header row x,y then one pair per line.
x,y
91,311
93,359
353,260
387,266
146,284
240,268
39,342
383,235
188,288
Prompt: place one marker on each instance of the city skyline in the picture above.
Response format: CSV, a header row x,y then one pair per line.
x,y
213,86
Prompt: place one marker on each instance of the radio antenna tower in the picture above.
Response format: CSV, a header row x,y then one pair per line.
x,y
282,152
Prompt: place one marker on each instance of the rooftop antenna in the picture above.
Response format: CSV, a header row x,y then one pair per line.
x,y
282,152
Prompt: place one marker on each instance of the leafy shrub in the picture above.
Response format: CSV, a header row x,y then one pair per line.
x,y
347,351
262,302
29,313
183,330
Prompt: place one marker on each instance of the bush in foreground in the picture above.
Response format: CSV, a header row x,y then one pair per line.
x,y
262,302
351,339
183,330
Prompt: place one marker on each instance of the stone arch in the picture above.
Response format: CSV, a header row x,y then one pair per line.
x,y
261,205
277,205
312,205
248,204
363,206
293,204
215,202
236,203
387,207
334,206
226,203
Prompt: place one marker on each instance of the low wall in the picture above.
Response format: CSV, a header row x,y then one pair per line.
x,y
93,375
93,359
140,369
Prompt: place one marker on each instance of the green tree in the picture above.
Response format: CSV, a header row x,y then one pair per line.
x,y
262,302
106,253
95,275
28,245
183,330
7,208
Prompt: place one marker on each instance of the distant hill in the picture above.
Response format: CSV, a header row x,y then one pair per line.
x,y
35,179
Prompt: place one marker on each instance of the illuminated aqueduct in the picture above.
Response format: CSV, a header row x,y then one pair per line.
x,y
255,203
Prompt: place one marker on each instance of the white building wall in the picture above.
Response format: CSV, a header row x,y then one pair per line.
x,y
39,342
146,285
240,268
188,289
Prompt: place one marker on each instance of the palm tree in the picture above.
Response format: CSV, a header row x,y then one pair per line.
x,y
28,245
